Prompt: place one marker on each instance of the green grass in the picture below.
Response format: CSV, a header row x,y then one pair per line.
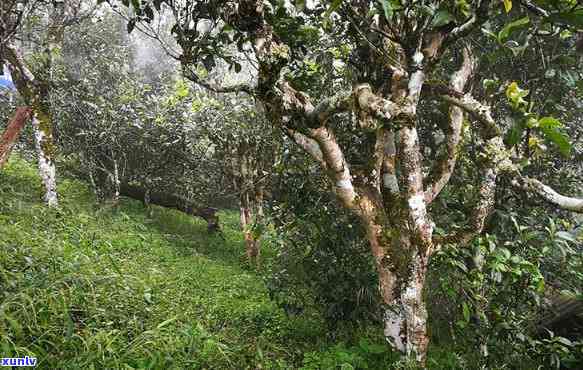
x,y
88,286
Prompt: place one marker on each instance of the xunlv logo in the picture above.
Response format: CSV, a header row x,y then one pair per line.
x,y
18,361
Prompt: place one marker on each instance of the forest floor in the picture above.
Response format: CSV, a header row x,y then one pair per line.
x,y
89,286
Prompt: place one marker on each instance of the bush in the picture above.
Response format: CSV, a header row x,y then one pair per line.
x,y
323,259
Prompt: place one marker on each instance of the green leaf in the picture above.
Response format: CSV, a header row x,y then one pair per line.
x,y
551,129
516,95
489,33
136,4
333,7
515,133
565,34
540,285
377,349
442,17
69,325
14,325
549,123
387,8
182,90
511,27
209,62
566,236
564,341
505,252
507,5
463,7
561,141
489,84
300,5
466,312
166,322
574,18
531,122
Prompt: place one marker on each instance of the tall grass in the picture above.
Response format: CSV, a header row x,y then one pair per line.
x,y
87,286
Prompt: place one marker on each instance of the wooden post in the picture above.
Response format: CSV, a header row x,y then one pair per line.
x,y
12,132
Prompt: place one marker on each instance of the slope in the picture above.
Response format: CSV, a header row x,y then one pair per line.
x,y
86,286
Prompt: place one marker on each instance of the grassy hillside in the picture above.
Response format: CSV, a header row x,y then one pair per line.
x,y
88,286
85,287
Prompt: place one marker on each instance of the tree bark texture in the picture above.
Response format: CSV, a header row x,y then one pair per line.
x,y
46,164
245,169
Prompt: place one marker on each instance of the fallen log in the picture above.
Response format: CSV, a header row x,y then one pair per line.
x,y
12,133
209,214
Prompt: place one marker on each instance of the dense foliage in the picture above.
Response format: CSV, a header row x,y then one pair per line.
x,y
383,156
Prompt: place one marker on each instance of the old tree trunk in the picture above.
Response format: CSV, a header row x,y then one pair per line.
x,y
393,208
35,89
388,190
390,196
245,164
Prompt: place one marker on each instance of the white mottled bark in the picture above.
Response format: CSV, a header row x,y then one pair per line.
x,y
338,168
116,182
550,195
445,165
395,328
414,309
46,165
405,319
496,162
93,184
372,109
309,145
415,86
479,111
406,316
410,158
390,181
